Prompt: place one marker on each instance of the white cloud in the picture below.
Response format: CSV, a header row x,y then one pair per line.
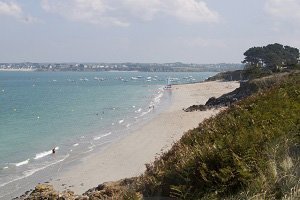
x,y
191,11
90,11
144,9
10,9
122,12
14,10
283,9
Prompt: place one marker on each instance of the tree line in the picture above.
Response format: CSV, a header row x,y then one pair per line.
x,y
274,57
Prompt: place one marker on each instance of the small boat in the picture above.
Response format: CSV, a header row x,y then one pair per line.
x,y
84,79
169,85
98,79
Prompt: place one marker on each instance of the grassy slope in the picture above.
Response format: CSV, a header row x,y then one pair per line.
x,y
250,149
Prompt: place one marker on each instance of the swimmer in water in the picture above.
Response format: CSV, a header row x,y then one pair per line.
x,y
53,151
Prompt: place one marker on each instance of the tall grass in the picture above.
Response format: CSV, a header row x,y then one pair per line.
x,y
248,151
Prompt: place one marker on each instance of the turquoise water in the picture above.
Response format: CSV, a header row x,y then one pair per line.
x,y
71,111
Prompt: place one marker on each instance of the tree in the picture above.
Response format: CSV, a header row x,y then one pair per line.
x,y
253,55
273,56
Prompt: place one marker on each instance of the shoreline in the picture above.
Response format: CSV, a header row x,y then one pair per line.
x,y
128,155
94,141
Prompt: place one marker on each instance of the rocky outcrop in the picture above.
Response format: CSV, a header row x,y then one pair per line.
x,y
246,89
114,190
43,191
47,192
110,190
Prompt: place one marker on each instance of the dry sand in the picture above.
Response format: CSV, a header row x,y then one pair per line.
x,y
127,157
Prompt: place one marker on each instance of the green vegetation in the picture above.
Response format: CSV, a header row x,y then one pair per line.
x,y
272,56
263,61
251,149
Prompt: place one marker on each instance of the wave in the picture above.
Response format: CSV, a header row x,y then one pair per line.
x,y
121,121
101,136
138,111
144,113
75,145
128,125
91,148
155,101
157,98
25,162
45,153
33,171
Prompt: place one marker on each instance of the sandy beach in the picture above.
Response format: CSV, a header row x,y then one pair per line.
x,y
127,157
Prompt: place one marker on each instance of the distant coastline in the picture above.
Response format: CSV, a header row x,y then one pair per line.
x,y
139,67
17,70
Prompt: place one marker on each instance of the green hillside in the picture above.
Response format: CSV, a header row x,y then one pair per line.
x,y
250,149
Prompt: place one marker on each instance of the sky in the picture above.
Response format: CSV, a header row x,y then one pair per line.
x,y
189,31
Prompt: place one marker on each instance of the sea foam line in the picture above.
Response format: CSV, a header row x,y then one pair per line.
x,y
25,162
45,153
31,172
101,136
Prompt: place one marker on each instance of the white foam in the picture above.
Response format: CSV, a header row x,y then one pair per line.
x,y
75,145
33,171
45,153
101,136
25,162
5,167
91,148
121,121
128,125
157,99
144,113
139,110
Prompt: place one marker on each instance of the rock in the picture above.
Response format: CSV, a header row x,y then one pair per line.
x,y
67,195
196,108
43,191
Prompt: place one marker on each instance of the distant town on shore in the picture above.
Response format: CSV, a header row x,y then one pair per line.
x,y
144,67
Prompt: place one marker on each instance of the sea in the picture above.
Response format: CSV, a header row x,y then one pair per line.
x,y
75,113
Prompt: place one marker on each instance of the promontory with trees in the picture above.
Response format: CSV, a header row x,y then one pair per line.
x,y
251,150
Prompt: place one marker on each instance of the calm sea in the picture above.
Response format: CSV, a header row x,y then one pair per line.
x,y
72,112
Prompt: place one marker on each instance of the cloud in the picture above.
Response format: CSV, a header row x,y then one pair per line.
x,y
90,11
191,11
143,9
13,9
283,9
123,12
10,9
